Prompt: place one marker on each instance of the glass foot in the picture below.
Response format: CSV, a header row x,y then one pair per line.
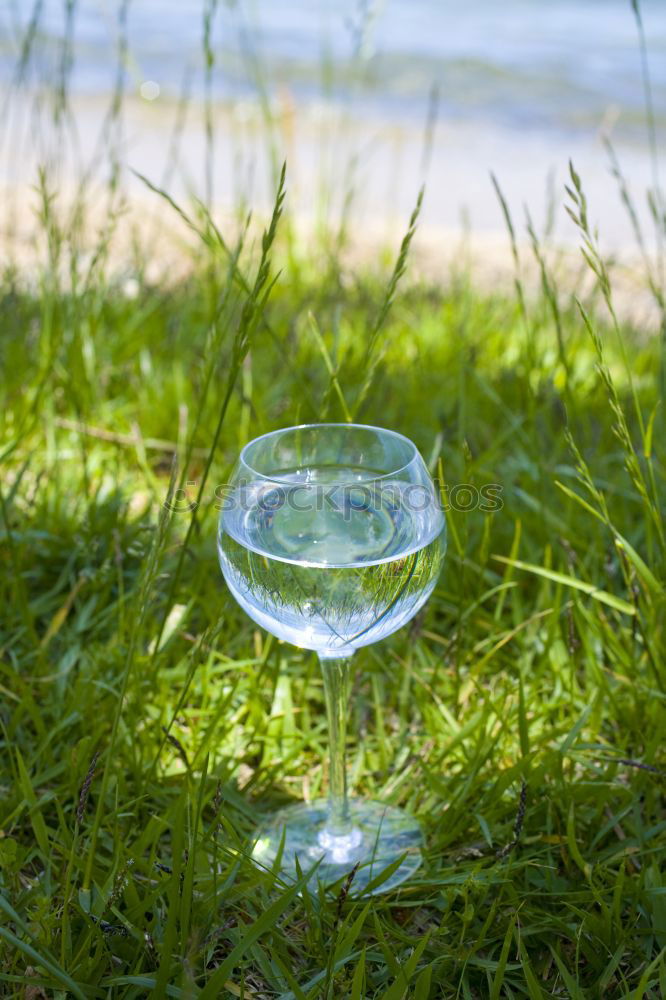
x,y
380,836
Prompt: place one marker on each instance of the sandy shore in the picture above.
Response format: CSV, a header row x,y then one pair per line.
x,y
339,166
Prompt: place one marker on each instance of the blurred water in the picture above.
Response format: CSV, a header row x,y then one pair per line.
x,y
546,64
522,87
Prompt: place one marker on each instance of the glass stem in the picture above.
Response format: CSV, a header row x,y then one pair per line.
x,y
337,681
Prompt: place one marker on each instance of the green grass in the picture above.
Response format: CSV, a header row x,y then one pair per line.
x,y
538,663
146,725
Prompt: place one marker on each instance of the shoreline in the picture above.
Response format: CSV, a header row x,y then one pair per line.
x,y
374,191
337,156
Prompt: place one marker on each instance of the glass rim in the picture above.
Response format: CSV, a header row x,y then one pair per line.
x,y
415,453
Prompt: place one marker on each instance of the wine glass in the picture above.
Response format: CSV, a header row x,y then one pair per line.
x,y
332,536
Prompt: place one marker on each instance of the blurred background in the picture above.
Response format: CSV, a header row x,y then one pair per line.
x,y
366,100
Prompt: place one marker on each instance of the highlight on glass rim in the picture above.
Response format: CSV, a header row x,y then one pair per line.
x,y
333,499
